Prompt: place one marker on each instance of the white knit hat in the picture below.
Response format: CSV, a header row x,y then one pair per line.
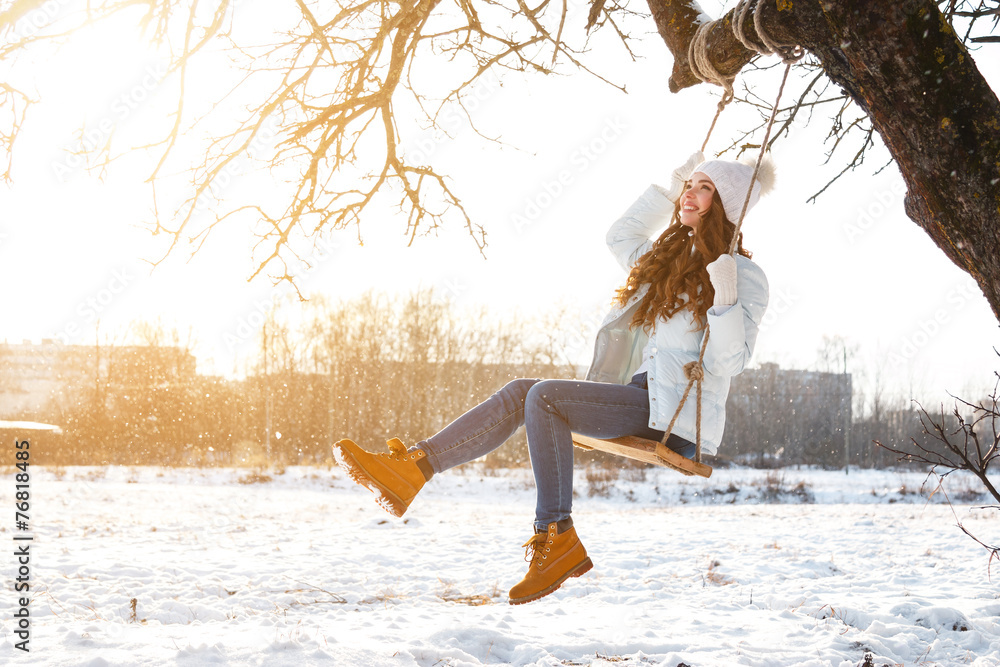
x,y
732,178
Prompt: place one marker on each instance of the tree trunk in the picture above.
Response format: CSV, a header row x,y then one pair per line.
x,y
903,64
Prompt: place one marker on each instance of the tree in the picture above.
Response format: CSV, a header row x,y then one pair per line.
x,y
834,353
914,78
346,86
968,443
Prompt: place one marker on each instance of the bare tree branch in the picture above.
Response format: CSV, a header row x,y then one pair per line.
x,y
338,79
13,108
971,444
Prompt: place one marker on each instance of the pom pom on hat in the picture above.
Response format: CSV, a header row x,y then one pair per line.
x,y
765,175
732,179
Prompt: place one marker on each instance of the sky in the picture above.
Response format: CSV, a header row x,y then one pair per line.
x,y
576,153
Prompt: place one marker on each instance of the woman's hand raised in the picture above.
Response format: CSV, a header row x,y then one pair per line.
x,y
682,174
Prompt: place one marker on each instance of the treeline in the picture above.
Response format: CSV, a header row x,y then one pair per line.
x,y
377,367
369,369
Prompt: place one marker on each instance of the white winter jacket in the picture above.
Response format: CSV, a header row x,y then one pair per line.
x,y
733,331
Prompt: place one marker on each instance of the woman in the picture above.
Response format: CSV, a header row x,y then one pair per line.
x,y
677,285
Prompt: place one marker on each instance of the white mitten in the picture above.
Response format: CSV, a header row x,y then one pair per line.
x,y
722,273
681,175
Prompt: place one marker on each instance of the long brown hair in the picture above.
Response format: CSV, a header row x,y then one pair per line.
x,y
677,276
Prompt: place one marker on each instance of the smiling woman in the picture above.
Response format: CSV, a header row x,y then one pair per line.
x,y
697,200
677,286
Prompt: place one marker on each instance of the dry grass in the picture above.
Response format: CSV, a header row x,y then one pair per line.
x,y
600,480
714,577
255,477
93,474
471,600
450,594
773,487
386,595
602,658
967,491
636,472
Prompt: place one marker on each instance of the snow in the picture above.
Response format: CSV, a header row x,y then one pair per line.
x,y
750,567
6,425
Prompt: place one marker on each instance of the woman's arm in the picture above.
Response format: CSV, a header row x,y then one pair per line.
x,y
733,332
629,237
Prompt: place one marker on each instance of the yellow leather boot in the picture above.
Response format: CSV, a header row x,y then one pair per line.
x,y
394,478
554,557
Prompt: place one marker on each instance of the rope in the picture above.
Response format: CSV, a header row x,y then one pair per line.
x,y
722,105
694,372
766,45
701,64
760,156
702,67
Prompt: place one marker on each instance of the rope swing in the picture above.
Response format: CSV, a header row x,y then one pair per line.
x,y
694,371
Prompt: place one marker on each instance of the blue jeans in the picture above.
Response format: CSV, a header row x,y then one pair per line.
x,y
550,410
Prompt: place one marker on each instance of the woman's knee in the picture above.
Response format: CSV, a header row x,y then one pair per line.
x,y
544,393
516,391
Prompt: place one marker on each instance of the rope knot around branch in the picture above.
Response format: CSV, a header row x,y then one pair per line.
x,y
700,63
694,371
764,44
702,67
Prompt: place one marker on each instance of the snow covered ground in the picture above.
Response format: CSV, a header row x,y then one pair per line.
x,y
151,566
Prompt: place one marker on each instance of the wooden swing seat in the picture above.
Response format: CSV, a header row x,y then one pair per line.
x,y
640,449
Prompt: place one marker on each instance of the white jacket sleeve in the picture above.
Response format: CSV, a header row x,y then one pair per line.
x,y
630,236
733,334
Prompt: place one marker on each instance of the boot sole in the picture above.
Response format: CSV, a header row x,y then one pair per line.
x,y
580,570
385,498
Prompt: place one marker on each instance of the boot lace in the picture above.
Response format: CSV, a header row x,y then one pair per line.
x,y
533,546
396,449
